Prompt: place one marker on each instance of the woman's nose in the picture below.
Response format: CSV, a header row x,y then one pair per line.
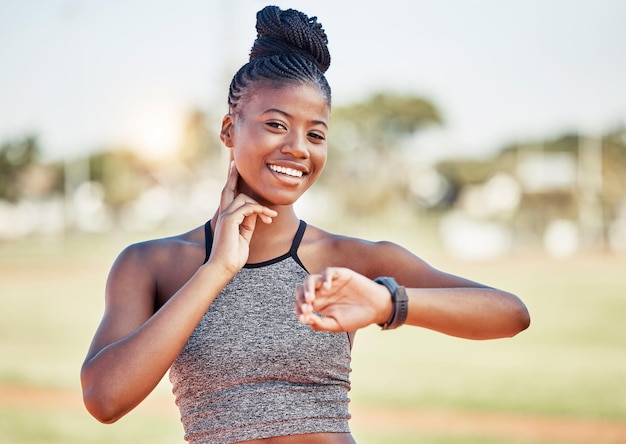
x,y
296,145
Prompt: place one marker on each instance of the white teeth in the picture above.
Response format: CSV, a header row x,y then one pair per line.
x,y
287,171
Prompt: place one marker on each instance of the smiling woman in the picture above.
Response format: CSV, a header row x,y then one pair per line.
x,y
232,308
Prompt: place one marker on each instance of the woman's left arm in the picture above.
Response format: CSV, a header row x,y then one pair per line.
x,y
436,300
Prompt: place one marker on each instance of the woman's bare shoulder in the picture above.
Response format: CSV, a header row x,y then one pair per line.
x,y
153,251
160,266
371,258
377,258
345,243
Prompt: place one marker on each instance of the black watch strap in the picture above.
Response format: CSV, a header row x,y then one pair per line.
x,y
400,302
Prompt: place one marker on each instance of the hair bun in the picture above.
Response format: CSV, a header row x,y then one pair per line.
x,y
290,31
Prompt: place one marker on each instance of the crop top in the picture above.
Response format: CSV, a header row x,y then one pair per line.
x,y
252,370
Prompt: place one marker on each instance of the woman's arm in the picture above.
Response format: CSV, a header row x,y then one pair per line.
x,y
134,346
438,301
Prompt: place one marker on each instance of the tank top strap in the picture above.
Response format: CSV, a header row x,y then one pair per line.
x,y
208,241
293,251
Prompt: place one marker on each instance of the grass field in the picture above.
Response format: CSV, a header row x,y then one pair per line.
x,y
561,381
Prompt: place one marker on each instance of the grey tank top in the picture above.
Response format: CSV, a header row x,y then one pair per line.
x,y
251,370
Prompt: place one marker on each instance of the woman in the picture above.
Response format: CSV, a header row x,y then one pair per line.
x,y
216,305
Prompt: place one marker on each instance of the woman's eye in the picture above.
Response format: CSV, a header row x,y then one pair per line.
x,y
276,125
317,136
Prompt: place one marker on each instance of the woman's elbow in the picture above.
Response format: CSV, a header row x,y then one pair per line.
x,y
100,407
99,401
520,318
509,318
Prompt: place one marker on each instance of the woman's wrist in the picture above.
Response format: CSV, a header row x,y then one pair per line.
x,y
386,306
399,303
217,272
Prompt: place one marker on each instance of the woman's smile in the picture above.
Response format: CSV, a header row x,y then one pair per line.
x,y
291,172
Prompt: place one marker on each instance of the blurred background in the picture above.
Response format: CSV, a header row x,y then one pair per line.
x,y
489,137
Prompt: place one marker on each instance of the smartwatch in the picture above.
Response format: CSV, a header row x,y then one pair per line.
x,y
400,302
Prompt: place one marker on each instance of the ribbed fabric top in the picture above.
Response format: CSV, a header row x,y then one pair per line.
x,y
251,370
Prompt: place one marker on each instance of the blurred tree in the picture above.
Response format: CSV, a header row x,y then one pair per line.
x,y
465,172
368,139
591,182
122,173
15,157
200,143
385,119
613,171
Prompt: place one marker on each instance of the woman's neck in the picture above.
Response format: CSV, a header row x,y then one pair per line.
x,y
271,240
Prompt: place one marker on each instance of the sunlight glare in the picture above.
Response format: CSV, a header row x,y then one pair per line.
x,y
155,132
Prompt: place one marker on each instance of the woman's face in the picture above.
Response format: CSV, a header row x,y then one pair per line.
x,y
278,141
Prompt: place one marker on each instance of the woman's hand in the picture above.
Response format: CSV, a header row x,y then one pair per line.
x,y
345,299
235,224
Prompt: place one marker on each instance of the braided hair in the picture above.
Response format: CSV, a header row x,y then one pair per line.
x,y
289,47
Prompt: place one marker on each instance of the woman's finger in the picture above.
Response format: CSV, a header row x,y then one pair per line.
x,y
328,275
243,206
322,323
250,208
311,283
303,310
230,198
229,192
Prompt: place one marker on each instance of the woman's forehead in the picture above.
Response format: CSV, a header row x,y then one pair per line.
x,y
289,98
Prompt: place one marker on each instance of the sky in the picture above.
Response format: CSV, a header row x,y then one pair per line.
x,y
84,75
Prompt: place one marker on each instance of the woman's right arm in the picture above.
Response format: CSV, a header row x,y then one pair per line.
x,y
134,347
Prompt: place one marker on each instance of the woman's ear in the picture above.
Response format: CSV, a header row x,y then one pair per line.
x,y
228,127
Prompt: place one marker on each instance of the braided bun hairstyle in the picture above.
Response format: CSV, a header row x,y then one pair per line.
x,y
290,47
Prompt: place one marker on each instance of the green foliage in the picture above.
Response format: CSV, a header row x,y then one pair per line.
x,y
466,171
381,121
122,173
368,140
15,157
200,141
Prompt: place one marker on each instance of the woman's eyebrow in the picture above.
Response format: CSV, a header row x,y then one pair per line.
x,y
286,114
